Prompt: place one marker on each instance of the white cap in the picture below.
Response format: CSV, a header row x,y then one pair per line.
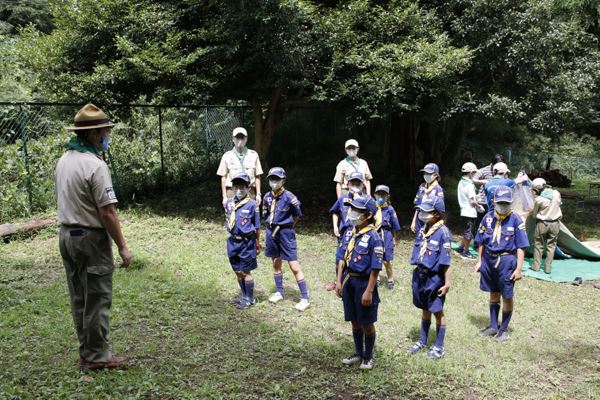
x,y
538,183
239,130
469,167
351,142
501,168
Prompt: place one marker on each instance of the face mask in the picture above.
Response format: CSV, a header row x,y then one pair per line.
x,y
352,153
428,178
425,216
380,200
355,188
502,208
104,142
241,194
275,184
239,142
354,217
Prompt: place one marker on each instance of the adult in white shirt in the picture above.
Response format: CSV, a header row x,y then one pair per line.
x,y
348,165
467,200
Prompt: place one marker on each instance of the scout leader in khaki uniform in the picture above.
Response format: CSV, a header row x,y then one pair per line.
x,y
88,218
348,165
547,215
240,159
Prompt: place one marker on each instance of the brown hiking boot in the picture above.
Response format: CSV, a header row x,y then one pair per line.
x,y
114,362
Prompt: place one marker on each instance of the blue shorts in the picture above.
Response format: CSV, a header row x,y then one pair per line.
x,y
425,286
352,293
497,279
283,245
242,254
388,245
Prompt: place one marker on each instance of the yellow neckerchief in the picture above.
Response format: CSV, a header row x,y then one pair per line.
x,y
235,208
498,228
350,248
426,235
429,187
276,195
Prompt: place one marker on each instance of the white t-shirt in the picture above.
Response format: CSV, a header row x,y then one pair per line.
x,y
466,191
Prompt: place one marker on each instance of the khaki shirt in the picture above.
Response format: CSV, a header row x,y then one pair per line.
x,y
231,164
546,209
83,185
345,168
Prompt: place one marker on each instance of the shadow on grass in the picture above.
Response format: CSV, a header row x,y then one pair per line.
x,y
479,321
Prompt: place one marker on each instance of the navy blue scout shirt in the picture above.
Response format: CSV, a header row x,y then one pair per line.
x,y
389,219
490,187
367,253
342,208
286,207
437,249
247,217
422,193
509,238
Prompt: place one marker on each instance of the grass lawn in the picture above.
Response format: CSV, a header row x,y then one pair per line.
x,y
171,317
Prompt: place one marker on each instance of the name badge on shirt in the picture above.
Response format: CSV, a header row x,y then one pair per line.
x,y
510,228
364,241
245,212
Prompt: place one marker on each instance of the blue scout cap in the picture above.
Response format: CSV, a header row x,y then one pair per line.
x,y
241,176
356,176
432,203
364,203
503,194
277,171
431,168
382,188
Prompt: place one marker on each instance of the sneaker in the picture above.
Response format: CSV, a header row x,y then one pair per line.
x,y
353,359
275,297
390,285
330,286
302,305
468,256
378,282
245,303
435,353
416,348
459,250
367,364
502,336
488,331
236,300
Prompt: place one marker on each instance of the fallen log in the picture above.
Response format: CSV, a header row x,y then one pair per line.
x,y
25,227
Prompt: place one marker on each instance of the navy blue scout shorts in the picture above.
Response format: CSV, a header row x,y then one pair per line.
x,y
352,293
242,254
498,279
425,286
283,245
388,245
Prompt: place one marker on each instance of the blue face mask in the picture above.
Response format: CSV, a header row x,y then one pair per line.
x,y
381,201
104,142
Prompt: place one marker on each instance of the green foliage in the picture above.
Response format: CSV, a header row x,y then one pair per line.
x,y
16,14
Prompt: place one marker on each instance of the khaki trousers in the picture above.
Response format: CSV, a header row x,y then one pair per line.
x,y
89,265
546,236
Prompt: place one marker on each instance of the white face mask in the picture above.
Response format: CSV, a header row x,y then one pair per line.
x,y
352,153
241,193
239,143
428,178
354,217
275,184
502,208
355,188
425,216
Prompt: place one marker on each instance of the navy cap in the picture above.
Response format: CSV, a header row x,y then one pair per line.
x,y
241,176
431,168
382,188
364,203
433,203
277,171
356,176
503,194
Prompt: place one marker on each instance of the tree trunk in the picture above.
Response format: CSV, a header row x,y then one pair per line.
x,y
404,130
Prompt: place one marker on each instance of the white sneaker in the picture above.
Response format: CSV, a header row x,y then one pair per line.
x,y
302,305
351,360
275,297
367,364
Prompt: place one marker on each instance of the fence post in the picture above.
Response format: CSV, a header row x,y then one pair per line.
x,y
207,135
160,136
24,138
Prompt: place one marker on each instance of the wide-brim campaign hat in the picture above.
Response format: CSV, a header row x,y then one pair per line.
x,y
90,117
